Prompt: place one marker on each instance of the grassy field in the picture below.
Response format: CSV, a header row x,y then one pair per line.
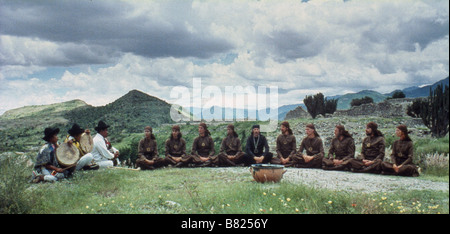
x,y
212,190
206,191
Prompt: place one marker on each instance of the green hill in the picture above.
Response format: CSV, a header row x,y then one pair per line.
x,y
128,114
23,128
41,110
345,100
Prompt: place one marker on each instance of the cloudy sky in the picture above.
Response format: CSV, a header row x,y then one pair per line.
x,y
97,51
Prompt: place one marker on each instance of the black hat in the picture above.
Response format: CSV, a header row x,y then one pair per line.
x,y
75,130
255,126
49,133
100,126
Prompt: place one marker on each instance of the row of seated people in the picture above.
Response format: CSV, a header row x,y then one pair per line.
x,y
341,155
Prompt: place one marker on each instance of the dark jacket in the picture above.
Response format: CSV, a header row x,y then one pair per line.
x,y
262,146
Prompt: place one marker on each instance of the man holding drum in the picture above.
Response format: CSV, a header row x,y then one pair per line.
x,y
86,158
46,167
104,154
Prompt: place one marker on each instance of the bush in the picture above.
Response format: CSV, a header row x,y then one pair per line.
x,y
14,177
398,94
432,155
436,164
360,101
129,152
318,105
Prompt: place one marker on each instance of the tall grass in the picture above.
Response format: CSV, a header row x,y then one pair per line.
x,y
15,173
432,155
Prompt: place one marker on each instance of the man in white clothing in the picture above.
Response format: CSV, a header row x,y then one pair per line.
x,y
104,154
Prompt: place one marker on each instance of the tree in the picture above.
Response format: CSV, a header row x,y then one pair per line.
x,y
437,120
398,94
433,111
330,105
415,107
360,101
317,104
314,104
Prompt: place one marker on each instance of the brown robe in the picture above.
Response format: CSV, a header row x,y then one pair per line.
x,y
373,149
148,151
175,148
313,147
402,155
341,150
286,148
231,146
202,147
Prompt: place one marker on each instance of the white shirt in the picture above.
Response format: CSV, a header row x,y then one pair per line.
x,y
100,151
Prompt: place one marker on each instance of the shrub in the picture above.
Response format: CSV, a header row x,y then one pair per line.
x,y
398,94
360,101
14,177
318,105
432,155
436,164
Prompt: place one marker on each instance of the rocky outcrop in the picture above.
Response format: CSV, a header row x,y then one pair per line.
x,y
297,113
387,109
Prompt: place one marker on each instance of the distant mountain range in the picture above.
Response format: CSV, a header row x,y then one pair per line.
x,y
131,113
424,91
137,109
410,92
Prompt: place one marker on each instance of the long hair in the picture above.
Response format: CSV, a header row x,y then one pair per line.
x,y
374,128
314,128
231,126
404,129
343,132
151,132
177,128
207,133
286,124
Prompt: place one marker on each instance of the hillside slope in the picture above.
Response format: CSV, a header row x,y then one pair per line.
x,y
130,113
41,110
22,128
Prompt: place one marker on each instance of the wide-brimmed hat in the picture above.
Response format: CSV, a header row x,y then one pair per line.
x,y
100,126
75,130
49,133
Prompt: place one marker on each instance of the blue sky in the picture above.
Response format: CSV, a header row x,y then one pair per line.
x,y
97,51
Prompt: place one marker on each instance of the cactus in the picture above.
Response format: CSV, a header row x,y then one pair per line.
x,y
434,111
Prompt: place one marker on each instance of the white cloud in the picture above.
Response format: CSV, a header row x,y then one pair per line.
x,y
303,48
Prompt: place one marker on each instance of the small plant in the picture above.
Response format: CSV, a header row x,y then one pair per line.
x,y
192,190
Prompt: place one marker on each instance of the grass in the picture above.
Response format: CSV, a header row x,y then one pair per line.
x,y
211,191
